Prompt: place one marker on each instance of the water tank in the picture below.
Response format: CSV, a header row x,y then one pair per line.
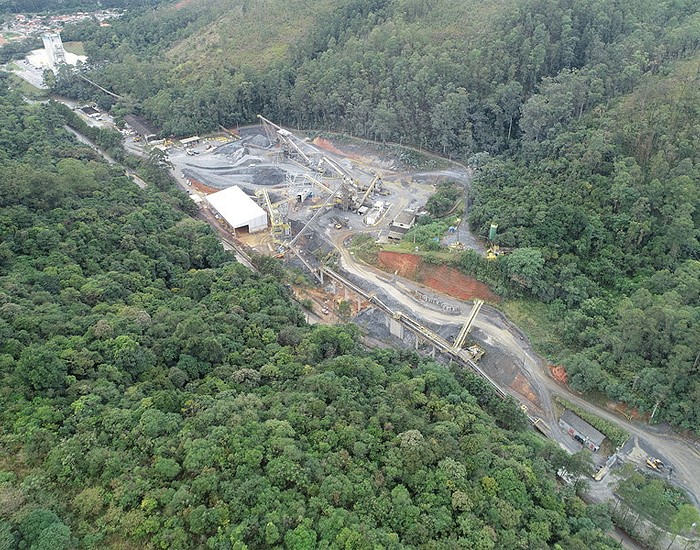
x,y
492,231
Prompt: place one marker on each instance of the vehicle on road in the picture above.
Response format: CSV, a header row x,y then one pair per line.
x,y
655,464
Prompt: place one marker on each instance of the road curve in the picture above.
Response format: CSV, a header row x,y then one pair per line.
x,y
683,454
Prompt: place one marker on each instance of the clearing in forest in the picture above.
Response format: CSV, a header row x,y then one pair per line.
x,y
439,277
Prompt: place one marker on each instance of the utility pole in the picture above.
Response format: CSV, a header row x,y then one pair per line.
x,y
653,412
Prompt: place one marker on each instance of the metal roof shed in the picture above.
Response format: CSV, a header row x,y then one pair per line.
x,y
238,209
194,140
576,425
141,126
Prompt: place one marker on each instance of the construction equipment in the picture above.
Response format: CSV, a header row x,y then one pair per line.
x,y
476,351
284,201
318,183
277,134
361,202
323,204
298,186
340,223
279,228
270,129
655,464
462,336
349,188
493,250
329,200
338,170
292,148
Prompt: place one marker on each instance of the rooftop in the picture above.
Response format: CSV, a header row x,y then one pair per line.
x,y
405,217
141,125
582,427
237,208
189,140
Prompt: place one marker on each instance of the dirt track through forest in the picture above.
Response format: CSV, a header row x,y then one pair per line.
x,y
501,333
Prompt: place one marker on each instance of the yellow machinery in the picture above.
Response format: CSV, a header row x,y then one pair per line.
x,y
655,464
279,228
326,204
494,251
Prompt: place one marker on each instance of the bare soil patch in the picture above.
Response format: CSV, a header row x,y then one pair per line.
x,y
325,144
521,385
362,151
328,302
439,277
559,374
405,265
202,188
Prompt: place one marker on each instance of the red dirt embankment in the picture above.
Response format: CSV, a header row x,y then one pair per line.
x,y
202,188
439,277
323,143
559,374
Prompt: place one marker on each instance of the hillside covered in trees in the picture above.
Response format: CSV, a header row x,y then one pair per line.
x,y
588,112
448,75
605,215
157,394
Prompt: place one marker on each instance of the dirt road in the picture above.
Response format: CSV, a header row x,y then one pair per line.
x,y
87,141
683,455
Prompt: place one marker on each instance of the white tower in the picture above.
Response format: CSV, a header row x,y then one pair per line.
x,y
54,50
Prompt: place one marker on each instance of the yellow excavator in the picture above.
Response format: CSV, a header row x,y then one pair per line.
x,y
655,464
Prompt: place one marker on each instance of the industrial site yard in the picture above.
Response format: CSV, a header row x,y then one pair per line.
x,y
319,194
254,163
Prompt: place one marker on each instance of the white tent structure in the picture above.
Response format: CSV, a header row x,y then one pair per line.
x,y
238,209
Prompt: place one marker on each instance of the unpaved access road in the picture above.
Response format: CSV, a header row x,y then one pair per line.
x,y
87,141
499,332
683,454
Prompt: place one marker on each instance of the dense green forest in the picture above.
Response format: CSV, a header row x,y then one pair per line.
x,y
157,394
605,214
448,75
588,112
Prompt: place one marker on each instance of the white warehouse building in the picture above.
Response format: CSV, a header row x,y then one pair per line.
x,y
238,209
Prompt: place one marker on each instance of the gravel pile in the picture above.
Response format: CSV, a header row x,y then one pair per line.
x,y
258,141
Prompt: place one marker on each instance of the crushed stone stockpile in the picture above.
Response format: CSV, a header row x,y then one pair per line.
x,y
223,177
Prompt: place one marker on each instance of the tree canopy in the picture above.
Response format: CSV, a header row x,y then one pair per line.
x,y
609,207
157,394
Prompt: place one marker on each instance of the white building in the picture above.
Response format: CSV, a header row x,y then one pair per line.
x,y
53,55
404,221
238,209
54,50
